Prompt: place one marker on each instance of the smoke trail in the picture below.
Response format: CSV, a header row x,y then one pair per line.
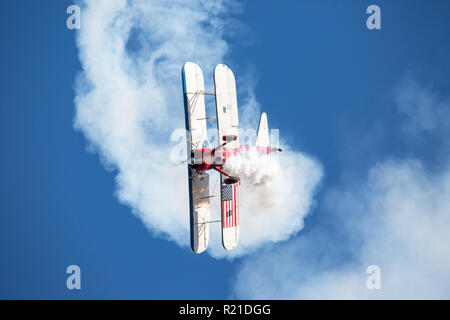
x,y
397,217
129,103
277,194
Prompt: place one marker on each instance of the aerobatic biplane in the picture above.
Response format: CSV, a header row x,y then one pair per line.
x,y
202,157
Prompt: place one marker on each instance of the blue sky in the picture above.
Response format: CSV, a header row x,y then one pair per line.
x,y
326,81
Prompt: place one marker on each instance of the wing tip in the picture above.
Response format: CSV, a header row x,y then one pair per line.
x,y
230,237
198,251
199,246
191,65
222,67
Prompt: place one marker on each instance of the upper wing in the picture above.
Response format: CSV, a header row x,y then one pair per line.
x,y
226,105
194,103
262,140
228,125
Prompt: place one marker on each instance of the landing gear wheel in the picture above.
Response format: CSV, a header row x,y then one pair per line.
x,y
231,180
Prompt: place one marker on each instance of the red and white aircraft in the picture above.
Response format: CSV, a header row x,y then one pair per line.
x,y
203,159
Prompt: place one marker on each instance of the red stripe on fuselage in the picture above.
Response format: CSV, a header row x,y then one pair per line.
x,y
205,162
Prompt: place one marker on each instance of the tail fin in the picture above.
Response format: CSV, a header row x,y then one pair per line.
x,y
262,140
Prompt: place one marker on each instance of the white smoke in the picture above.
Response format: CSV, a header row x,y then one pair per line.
x,y
398,220
129,102
397,217
276,194
254,168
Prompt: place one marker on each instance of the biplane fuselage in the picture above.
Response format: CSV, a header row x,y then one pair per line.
x,y
203,159
208,159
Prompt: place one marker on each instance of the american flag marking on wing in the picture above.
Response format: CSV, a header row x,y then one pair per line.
x,y
230,205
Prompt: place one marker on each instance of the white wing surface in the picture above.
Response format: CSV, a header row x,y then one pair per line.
x,y
195,118
226,104
228,125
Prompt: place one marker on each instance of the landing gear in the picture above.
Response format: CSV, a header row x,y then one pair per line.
x,y
231,180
